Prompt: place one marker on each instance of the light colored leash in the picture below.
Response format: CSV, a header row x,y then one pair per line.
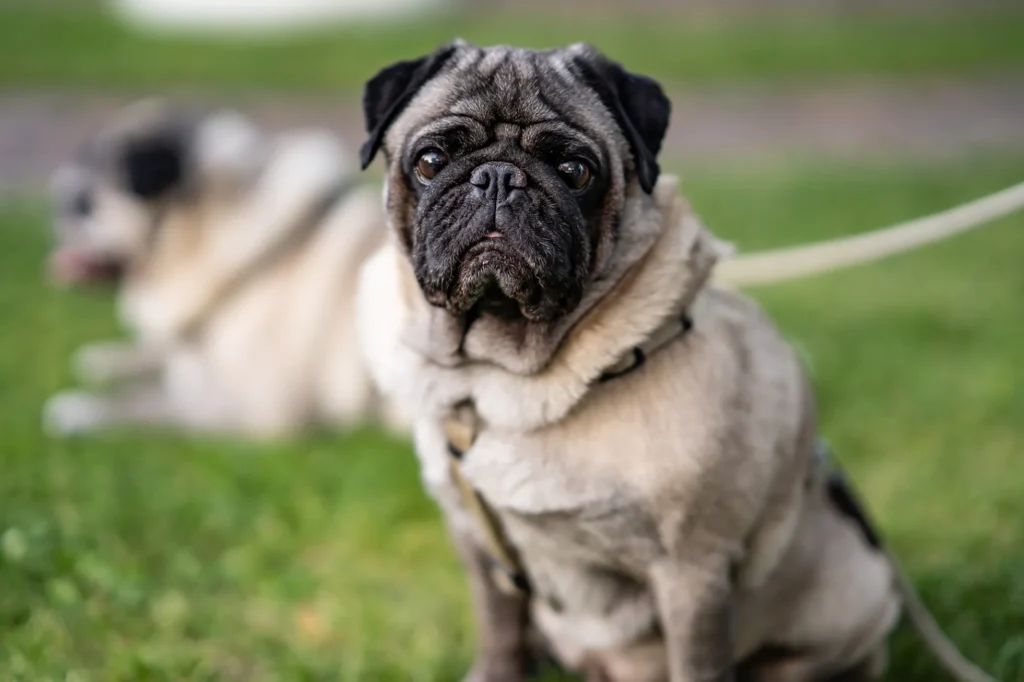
x,y
461,430
780,265
847,500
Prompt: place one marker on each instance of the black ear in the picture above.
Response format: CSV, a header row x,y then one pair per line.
x,y
154,164
638,104
390,91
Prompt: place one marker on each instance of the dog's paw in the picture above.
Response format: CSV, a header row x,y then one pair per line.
x,y
72,412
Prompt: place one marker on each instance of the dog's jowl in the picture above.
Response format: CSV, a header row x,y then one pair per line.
x,y
624,453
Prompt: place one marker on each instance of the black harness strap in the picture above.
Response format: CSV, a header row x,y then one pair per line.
x,y
640,355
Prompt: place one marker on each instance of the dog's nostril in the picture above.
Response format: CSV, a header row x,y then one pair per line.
x,y
481,177
512,178
81,204
502,175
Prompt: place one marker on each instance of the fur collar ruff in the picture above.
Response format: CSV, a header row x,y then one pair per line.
x,y
525,381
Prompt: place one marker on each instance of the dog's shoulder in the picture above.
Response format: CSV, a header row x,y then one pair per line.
x,y
735,332
735,315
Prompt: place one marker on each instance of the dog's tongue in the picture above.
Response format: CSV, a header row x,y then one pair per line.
x,y
67,267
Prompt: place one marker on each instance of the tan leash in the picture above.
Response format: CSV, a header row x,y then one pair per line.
x,y
463,426
461,429
781,265
845,498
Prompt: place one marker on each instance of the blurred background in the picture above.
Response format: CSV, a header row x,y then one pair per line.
x,y
131,556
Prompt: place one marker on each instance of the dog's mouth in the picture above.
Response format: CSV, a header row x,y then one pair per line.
x,y
517,265
69,267
494,278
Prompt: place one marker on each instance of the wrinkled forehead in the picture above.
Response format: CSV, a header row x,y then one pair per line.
x,y
506,89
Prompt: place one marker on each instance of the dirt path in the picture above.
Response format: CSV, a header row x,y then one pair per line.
x,y
710,125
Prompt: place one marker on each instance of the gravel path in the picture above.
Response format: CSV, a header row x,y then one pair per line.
x,y
734,124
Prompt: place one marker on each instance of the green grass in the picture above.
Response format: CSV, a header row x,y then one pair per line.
x,y
157,557
66,46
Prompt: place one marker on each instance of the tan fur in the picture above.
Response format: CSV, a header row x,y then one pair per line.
x,y
244,313
632,502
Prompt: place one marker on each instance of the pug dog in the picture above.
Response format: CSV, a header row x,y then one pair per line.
x,y
627,456
235,254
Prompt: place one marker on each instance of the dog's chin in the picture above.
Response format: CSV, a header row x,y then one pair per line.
x,y
494,281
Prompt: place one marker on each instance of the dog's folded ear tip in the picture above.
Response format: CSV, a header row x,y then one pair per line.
x,y
648,178
366,154
388,93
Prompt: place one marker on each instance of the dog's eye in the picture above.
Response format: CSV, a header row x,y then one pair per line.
x,y
81,204
430,164
575,173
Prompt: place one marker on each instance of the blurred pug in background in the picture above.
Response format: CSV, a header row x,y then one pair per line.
x,y
235,255
626,455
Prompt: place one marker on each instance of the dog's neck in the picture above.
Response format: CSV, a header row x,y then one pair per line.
x,y
658,269
202,249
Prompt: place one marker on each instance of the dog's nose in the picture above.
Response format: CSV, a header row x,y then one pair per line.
x,y
500,182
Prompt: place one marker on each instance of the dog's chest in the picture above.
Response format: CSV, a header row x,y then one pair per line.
x,y
587,485
560,494
581,532
566,492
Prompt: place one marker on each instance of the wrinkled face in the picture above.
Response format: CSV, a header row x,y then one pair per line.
x,y
508,171
104,208
506,213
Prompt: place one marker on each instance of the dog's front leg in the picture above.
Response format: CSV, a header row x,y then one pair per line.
x,y
694,598
108,362
503,653
76,412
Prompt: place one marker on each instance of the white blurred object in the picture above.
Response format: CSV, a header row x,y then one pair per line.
x,y
260,16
